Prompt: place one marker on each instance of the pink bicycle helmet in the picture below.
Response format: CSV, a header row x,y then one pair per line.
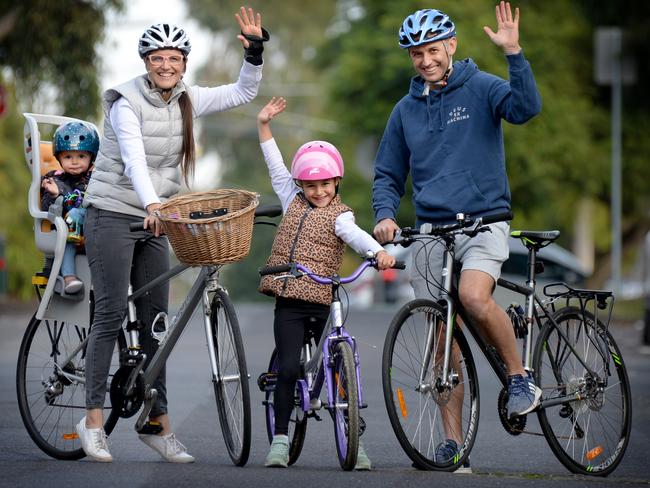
x,y
317,160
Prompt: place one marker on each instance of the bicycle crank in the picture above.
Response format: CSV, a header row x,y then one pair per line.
x,y
515,425
126,406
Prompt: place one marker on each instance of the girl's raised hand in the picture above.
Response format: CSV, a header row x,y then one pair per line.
x,y
250,24
271,109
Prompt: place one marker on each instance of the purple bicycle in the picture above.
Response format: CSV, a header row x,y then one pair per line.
x,y
335,363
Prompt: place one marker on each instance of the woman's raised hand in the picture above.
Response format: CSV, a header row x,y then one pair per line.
x,y
250,24
271,109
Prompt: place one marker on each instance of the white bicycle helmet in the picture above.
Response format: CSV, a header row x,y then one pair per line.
x,y
163,36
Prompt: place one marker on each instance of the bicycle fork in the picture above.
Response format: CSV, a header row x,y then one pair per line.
x,y
444,382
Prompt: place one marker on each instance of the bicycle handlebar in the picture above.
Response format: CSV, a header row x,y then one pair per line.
x,y
296,270
463,222
261,211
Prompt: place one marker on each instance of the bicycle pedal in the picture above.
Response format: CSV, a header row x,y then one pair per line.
x,y
314,415
151,428
266,381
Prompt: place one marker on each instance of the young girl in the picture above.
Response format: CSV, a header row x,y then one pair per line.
x,y
313,232
75,148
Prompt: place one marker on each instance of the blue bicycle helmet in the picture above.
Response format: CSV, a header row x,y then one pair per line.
x,y
425,26
76,136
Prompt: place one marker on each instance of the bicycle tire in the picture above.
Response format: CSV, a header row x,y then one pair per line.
x,y
345,410
416,409
231,382
51,396
297,422
588,436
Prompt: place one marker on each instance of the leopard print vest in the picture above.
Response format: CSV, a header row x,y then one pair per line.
x,y
306,236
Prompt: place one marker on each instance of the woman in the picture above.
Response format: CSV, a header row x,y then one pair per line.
x,y
147,143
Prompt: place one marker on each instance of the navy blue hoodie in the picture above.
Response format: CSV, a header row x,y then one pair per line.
x,y
451,141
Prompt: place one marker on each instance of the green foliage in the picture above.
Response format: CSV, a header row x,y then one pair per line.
x,y
54,43
15,221
47,51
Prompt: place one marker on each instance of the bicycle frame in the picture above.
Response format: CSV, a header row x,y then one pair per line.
x,y
318,367
534,306
206,281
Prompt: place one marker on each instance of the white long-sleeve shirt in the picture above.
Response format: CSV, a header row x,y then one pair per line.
x,y
205,100
345,227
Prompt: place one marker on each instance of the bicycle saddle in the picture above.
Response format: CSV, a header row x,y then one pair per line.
x,y
536,239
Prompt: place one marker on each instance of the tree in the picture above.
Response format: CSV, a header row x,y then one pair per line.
x,y
47,50
53,44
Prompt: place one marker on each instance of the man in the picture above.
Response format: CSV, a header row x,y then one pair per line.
x,y
447,133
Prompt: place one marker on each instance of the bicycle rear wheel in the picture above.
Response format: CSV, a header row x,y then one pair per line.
x,y
345,410
297,422
589,435
50,383
231,381
423,412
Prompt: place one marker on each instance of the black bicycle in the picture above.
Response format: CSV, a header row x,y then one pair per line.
x,y
430,380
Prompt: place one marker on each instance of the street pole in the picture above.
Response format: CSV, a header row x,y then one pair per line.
x,y
616,156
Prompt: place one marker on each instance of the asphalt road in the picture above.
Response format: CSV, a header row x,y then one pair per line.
x,y
498,459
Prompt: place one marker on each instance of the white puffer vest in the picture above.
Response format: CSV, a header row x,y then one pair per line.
x,y
162,135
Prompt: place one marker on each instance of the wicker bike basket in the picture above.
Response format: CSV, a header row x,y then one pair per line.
x,y
212,227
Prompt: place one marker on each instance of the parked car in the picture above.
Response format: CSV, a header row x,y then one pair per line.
x,y
393,287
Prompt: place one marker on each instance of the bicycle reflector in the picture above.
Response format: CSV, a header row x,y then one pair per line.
x,y
402,403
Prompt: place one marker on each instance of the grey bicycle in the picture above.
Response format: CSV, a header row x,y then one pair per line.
x,y
51,366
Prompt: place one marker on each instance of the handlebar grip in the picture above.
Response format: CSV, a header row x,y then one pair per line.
x,y
498,217
280,268
399,265
268,211
136,226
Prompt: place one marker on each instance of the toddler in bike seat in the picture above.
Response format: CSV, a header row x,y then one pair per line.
x,y
75,147
314,230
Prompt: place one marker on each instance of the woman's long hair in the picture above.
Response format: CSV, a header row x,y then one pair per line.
x,y
187,165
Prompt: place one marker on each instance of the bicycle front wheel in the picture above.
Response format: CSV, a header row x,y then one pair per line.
x,y
426,410
590,431
297,421
50,383
231,379
345,410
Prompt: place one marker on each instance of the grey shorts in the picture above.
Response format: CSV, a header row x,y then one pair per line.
x,y
486,252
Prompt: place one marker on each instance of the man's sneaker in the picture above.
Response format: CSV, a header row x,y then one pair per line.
x,y
523,395
278,456
93,442
363,461
168,447
445,451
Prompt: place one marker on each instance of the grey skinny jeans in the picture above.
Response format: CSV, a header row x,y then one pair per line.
x,y
116,257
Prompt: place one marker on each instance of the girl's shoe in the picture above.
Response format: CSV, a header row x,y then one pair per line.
x,y
363,462
278,456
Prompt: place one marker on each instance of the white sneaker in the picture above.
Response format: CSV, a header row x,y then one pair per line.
x,y
93,442
168,447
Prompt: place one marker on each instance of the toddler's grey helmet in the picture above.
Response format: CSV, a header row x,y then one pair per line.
x,y
163,36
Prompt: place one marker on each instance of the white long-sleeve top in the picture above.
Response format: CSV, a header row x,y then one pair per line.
x,y
285,188
205,100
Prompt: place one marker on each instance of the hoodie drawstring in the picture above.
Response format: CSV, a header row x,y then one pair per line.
x,y
441,112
